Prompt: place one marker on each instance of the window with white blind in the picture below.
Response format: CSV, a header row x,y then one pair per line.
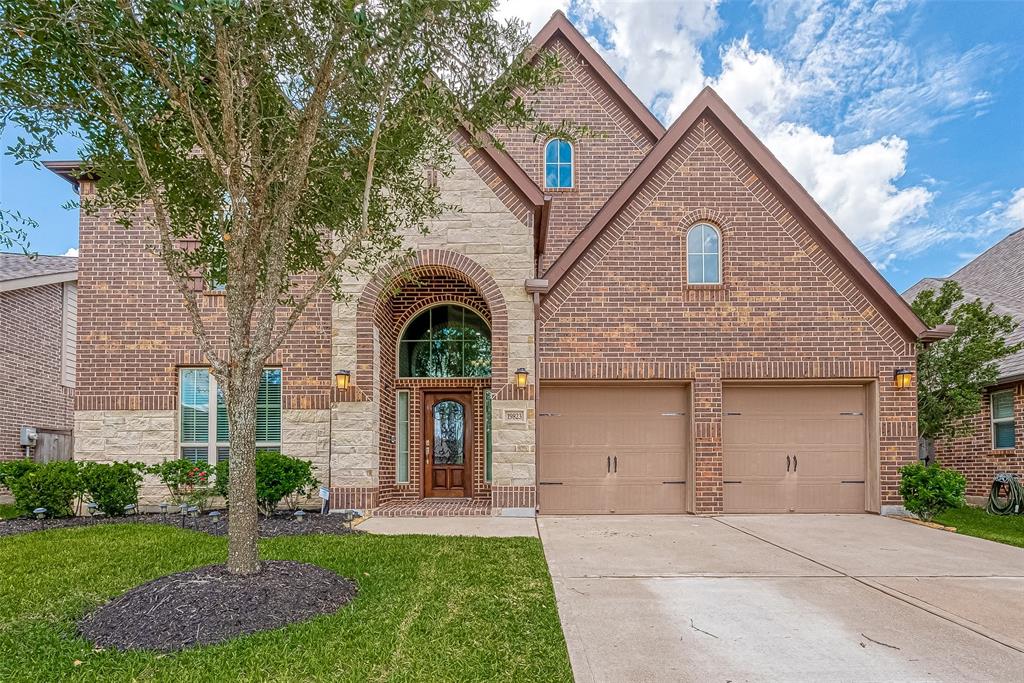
x,y
203,433
1003,424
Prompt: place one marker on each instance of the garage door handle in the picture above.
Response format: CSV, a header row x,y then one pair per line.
x,y
616,460
787,463
794,463
609,464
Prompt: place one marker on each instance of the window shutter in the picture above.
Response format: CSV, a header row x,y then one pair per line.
x,y
268,407
223,433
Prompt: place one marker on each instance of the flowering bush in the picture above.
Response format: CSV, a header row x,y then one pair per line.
x,y
186,481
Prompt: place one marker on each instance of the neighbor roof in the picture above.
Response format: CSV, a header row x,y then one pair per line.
x,y
18,271
826,233
996,277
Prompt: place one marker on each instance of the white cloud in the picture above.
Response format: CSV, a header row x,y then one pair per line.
x,y
846,65
73,251
1014,211
534,12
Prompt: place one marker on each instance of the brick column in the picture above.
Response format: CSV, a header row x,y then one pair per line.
x,y
707,439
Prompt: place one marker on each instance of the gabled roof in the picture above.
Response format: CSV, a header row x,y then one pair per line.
x,y
996,277
826,233
560,26
18,271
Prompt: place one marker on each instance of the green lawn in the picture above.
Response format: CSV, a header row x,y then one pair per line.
x,y
429,608
976,522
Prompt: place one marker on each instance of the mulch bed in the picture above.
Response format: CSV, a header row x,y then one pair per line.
x,y
281,524
208,605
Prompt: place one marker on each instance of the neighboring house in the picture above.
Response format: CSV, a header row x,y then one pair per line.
x,y
37,354
997,441
694,334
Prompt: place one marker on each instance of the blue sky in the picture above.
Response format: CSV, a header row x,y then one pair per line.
x,y
903,119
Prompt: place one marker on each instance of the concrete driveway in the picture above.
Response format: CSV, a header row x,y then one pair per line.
x,y
784,598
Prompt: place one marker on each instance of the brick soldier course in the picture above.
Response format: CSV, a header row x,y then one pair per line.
x,y
580,284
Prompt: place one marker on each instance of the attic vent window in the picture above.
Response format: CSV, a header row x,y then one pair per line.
x,y
558,161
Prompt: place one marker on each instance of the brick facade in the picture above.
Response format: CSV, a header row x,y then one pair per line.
x,y
32,392
783,312
792,306
973,455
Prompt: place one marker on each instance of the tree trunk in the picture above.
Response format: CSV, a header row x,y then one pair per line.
x,y
241,394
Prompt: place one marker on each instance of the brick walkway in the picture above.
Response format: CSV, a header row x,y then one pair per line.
x,y
440,507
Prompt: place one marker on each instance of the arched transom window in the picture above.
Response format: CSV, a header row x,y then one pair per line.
x,y
445,341
703,255
558,171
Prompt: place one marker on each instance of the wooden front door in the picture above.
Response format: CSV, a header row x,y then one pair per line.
x,y
447,443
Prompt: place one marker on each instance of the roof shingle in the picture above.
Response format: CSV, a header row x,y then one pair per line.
x,y
18,266
995,277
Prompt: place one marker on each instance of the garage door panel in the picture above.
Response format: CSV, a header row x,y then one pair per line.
x,y
823,430
755,496
829,496
612,448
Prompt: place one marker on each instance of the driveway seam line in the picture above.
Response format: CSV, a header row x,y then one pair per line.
x,y
893,593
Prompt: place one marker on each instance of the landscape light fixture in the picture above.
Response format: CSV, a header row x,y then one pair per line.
x,y
902,378
341,378
521,376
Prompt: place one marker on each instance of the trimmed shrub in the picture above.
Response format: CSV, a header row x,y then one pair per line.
x,y
220,479
55,486
186,481
12,469
112,486
279,477
928,490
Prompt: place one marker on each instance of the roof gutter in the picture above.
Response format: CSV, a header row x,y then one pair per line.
x,y
937,333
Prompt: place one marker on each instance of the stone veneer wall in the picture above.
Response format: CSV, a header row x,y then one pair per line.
x,y
150,437
489,234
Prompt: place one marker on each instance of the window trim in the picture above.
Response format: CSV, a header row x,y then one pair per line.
x,y
421,311
212,443
993,420
702,254
559,164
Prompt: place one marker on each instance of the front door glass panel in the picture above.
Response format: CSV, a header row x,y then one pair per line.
x,y
449,433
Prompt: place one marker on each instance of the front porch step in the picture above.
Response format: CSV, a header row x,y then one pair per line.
x,y
435,507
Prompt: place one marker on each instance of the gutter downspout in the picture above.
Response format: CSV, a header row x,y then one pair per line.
x,y
536,287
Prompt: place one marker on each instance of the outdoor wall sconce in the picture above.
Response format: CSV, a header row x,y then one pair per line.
x,y
902,378
521,376
341,378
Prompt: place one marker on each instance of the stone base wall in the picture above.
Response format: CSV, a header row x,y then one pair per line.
x,y
355,455
146,436
513,449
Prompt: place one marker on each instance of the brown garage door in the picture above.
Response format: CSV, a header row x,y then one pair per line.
x,y
613,449
794,449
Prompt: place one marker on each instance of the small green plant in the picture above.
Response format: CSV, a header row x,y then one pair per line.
x,y
12,469
186,481
928,490
112,486
56,486
220,479
280,477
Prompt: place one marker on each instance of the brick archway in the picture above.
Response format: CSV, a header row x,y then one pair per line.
x,y
431,262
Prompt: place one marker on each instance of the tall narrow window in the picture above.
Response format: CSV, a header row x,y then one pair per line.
x,y
204,436
1003,424
558,162
703,255
194,413
488,443
402,418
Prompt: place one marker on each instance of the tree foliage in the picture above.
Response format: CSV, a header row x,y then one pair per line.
x,y
952,374
275,146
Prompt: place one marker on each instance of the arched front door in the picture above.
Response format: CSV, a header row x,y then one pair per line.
x,y
447,443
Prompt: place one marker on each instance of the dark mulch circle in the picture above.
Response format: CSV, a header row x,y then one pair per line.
x,y
208,605
281,524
